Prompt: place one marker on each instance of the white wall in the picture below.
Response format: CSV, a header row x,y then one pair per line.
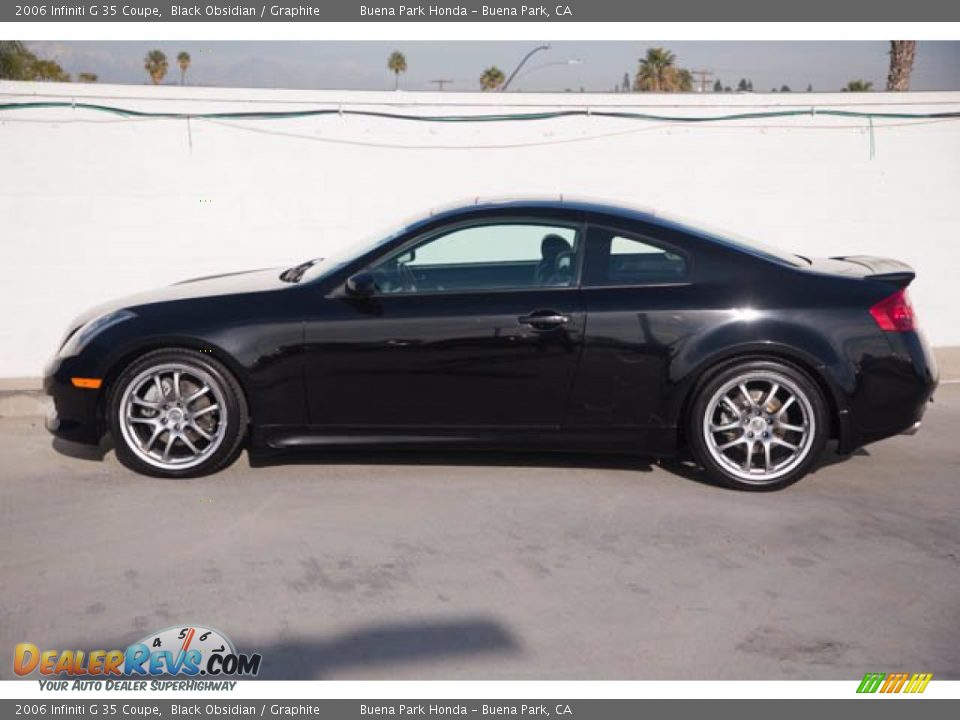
x,y
93,206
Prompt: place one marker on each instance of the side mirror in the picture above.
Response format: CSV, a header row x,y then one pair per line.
x,y
361,285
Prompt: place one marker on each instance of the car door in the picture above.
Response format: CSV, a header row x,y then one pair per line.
x,y
478,325
640,306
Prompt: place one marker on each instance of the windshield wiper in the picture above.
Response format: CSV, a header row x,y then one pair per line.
x,y
293,275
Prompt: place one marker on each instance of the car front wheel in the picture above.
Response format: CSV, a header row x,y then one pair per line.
x,y
177,413
758,425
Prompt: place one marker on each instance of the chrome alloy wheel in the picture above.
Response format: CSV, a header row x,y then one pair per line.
x,y
759,426
173,416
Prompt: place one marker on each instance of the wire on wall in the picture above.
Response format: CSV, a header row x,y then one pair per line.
x,y
478,118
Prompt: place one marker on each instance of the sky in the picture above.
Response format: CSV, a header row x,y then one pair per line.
x,y
594,66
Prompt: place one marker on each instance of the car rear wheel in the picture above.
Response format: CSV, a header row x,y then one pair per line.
x,y
177,413
758,425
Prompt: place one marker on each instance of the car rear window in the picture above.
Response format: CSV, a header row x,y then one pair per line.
x,y
616,258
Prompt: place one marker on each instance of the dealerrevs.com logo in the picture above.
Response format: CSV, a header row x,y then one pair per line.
x,y
174,651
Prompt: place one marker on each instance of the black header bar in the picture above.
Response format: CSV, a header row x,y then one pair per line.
x,y
471,11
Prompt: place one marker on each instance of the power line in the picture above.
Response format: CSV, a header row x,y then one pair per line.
x,y
889,99
479,118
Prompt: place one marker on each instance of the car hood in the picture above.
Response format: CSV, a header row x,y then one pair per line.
x,y
235,283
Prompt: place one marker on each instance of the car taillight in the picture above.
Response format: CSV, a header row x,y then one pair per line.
x,y
895,313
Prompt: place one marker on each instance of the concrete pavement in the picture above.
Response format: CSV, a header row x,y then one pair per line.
x,y
496,566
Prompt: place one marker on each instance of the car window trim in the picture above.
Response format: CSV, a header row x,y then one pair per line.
x,y
639,237
580,242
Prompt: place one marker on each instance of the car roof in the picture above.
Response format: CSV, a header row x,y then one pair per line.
x,y
560,201
568,202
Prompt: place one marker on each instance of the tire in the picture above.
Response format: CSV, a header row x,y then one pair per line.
x,y
177,413
758,425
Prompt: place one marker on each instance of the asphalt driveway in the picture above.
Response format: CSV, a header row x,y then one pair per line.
x,y
496,566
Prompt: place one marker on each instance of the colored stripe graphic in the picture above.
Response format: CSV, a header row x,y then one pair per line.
x,y
871,682
894,683
918,683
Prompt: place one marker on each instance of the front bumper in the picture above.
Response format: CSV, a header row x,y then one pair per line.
x,y
74,415
913,429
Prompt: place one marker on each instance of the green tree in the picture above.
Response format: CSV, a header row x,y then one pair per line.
x,y
718,86
655,71
87,77
902,55
745,85
625,83
492,78
658,72
15,60
48,70
155,63
397,63
183,60
784,88
859,86
19,63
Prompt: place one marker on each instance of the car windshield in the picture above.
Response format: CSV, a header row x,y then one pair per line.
x,y
340,256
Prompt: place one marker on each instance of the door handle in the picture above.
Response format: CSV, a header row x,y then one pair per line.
x,y
544,320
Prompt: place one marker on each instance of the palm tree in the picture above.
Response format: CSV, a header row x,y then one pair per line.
x,y
859,86
902,54
682,80
155,63
183,60
492,78
655,70
397,63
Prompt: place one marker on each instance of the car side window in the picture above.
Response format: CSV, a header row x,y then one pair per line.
x,y
490,256
619,258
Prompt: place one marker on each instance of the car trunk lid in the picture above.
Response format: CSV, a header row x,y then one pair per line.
x,y
894,272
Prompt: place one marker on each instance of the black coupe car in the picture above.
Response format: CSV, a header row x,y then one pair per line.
x,y
540,325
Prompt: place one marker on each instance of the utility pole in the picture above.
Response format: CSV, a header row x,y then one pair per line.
x,y
705,76
440,83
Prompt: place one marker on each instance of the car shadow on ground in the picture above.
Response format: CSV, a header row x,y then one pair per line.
x,y
78,451
464,458
678,467
385,646
491,458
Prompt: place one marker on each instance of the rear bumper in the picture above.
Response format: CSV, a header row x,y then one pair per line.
x,y
74,413
893,391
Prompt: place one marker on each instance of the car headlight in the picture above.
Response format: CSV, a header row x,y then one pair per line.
x,y
86,333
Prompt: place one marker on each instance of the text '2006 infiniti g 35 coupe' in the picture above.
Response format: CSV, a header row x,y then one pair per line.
x,y
537,325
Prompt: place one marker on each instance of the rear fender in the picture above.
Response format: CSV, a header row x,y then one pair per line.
x,y
719,346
